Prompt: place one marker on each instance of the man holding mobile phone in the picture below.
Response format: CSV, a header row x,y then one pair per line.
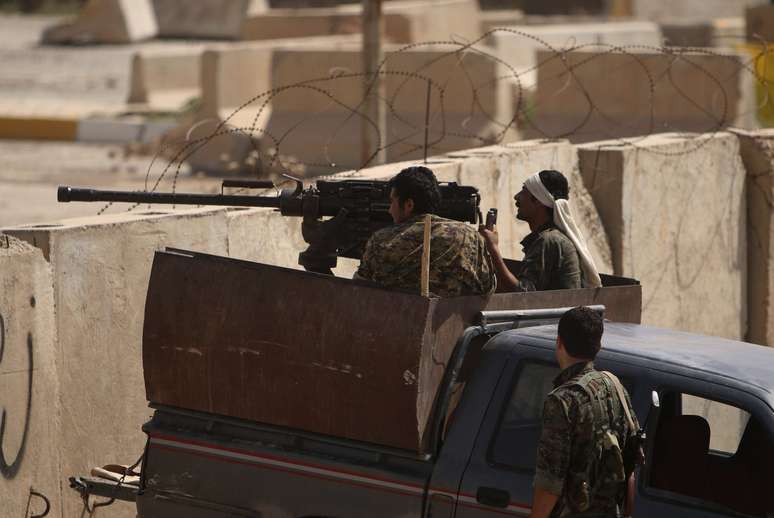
x,y
555,253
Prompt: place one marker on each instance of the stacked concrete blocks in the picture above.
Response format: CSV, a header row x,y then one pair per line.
x,y
679,230
29,385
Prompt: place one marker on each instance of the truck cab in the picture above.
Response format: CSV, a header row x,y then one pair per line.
x,y
710,440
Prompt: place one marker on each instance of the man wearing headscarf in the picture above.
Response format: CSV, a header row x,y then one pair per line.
x,y
555,253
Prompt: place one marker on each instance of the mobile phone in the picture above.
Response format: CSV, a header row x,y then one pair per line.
x,y
491,219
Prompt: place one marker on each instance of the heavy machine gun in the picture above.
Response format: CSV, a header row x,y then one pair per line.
x,y
355,208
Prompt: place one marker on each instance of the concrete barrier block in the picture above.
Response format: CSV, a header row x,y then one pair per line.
x,y
760,23
679,229
107,21
519,44
720,32
408,21
165,80
757,149
687,34
301,23
29,386
691,10
646,92
100,268
221,19
233,75
316,119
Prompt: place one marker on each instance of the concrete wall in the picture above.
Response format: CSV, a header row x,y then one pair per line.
x,y
757,150
678,228
100,270
644,93
30,445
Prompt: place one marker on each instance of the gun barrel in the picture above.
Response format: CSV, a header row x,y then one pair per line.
x,y
69,194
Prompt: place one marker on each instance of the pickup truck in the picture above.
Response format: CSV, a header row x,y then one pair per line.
x,y
199,465
706,405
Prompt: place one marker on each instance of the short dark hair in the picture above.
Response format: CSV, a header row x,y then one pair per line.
x,y
417,183
556,184
581,331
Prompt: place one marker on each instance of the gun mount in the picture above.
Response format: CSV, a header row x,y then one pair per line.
x,y
355,208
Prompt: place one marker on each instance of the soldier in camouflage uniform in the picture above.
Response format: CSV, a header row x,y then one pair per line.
x,y
588,444
459,261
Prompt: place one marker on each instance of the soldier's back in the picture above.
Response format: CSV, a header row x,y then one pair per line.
x,y
459,262
595,478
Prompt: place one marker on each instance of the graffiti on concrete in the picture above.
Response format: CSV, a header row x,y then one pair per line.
x,y
10,469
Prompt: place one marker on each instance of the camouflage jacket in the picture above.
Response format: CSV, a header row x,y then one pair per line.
x,y
573,459
459,261
550,261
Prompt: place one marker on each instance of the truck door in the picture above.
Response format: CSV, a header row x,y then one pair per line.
x,y
709,452
498,479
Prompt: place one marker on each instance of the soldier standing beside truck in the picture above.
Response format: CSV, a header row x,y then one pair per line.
x,y
555,253
459,261
589,430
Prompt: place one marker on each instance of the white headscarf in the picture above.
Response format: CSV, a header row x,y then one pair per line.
x,y
564,221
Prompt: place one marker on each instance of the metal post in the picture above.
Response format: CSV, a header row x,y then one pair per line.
x,y
427,116
373,29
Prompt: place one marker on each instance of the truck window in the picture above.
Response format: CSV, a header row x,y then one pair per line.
x,y
515,442
726,422
712,451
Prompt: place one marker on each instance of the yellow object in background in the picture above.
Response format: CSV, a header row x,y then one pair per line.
x,y
763,63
